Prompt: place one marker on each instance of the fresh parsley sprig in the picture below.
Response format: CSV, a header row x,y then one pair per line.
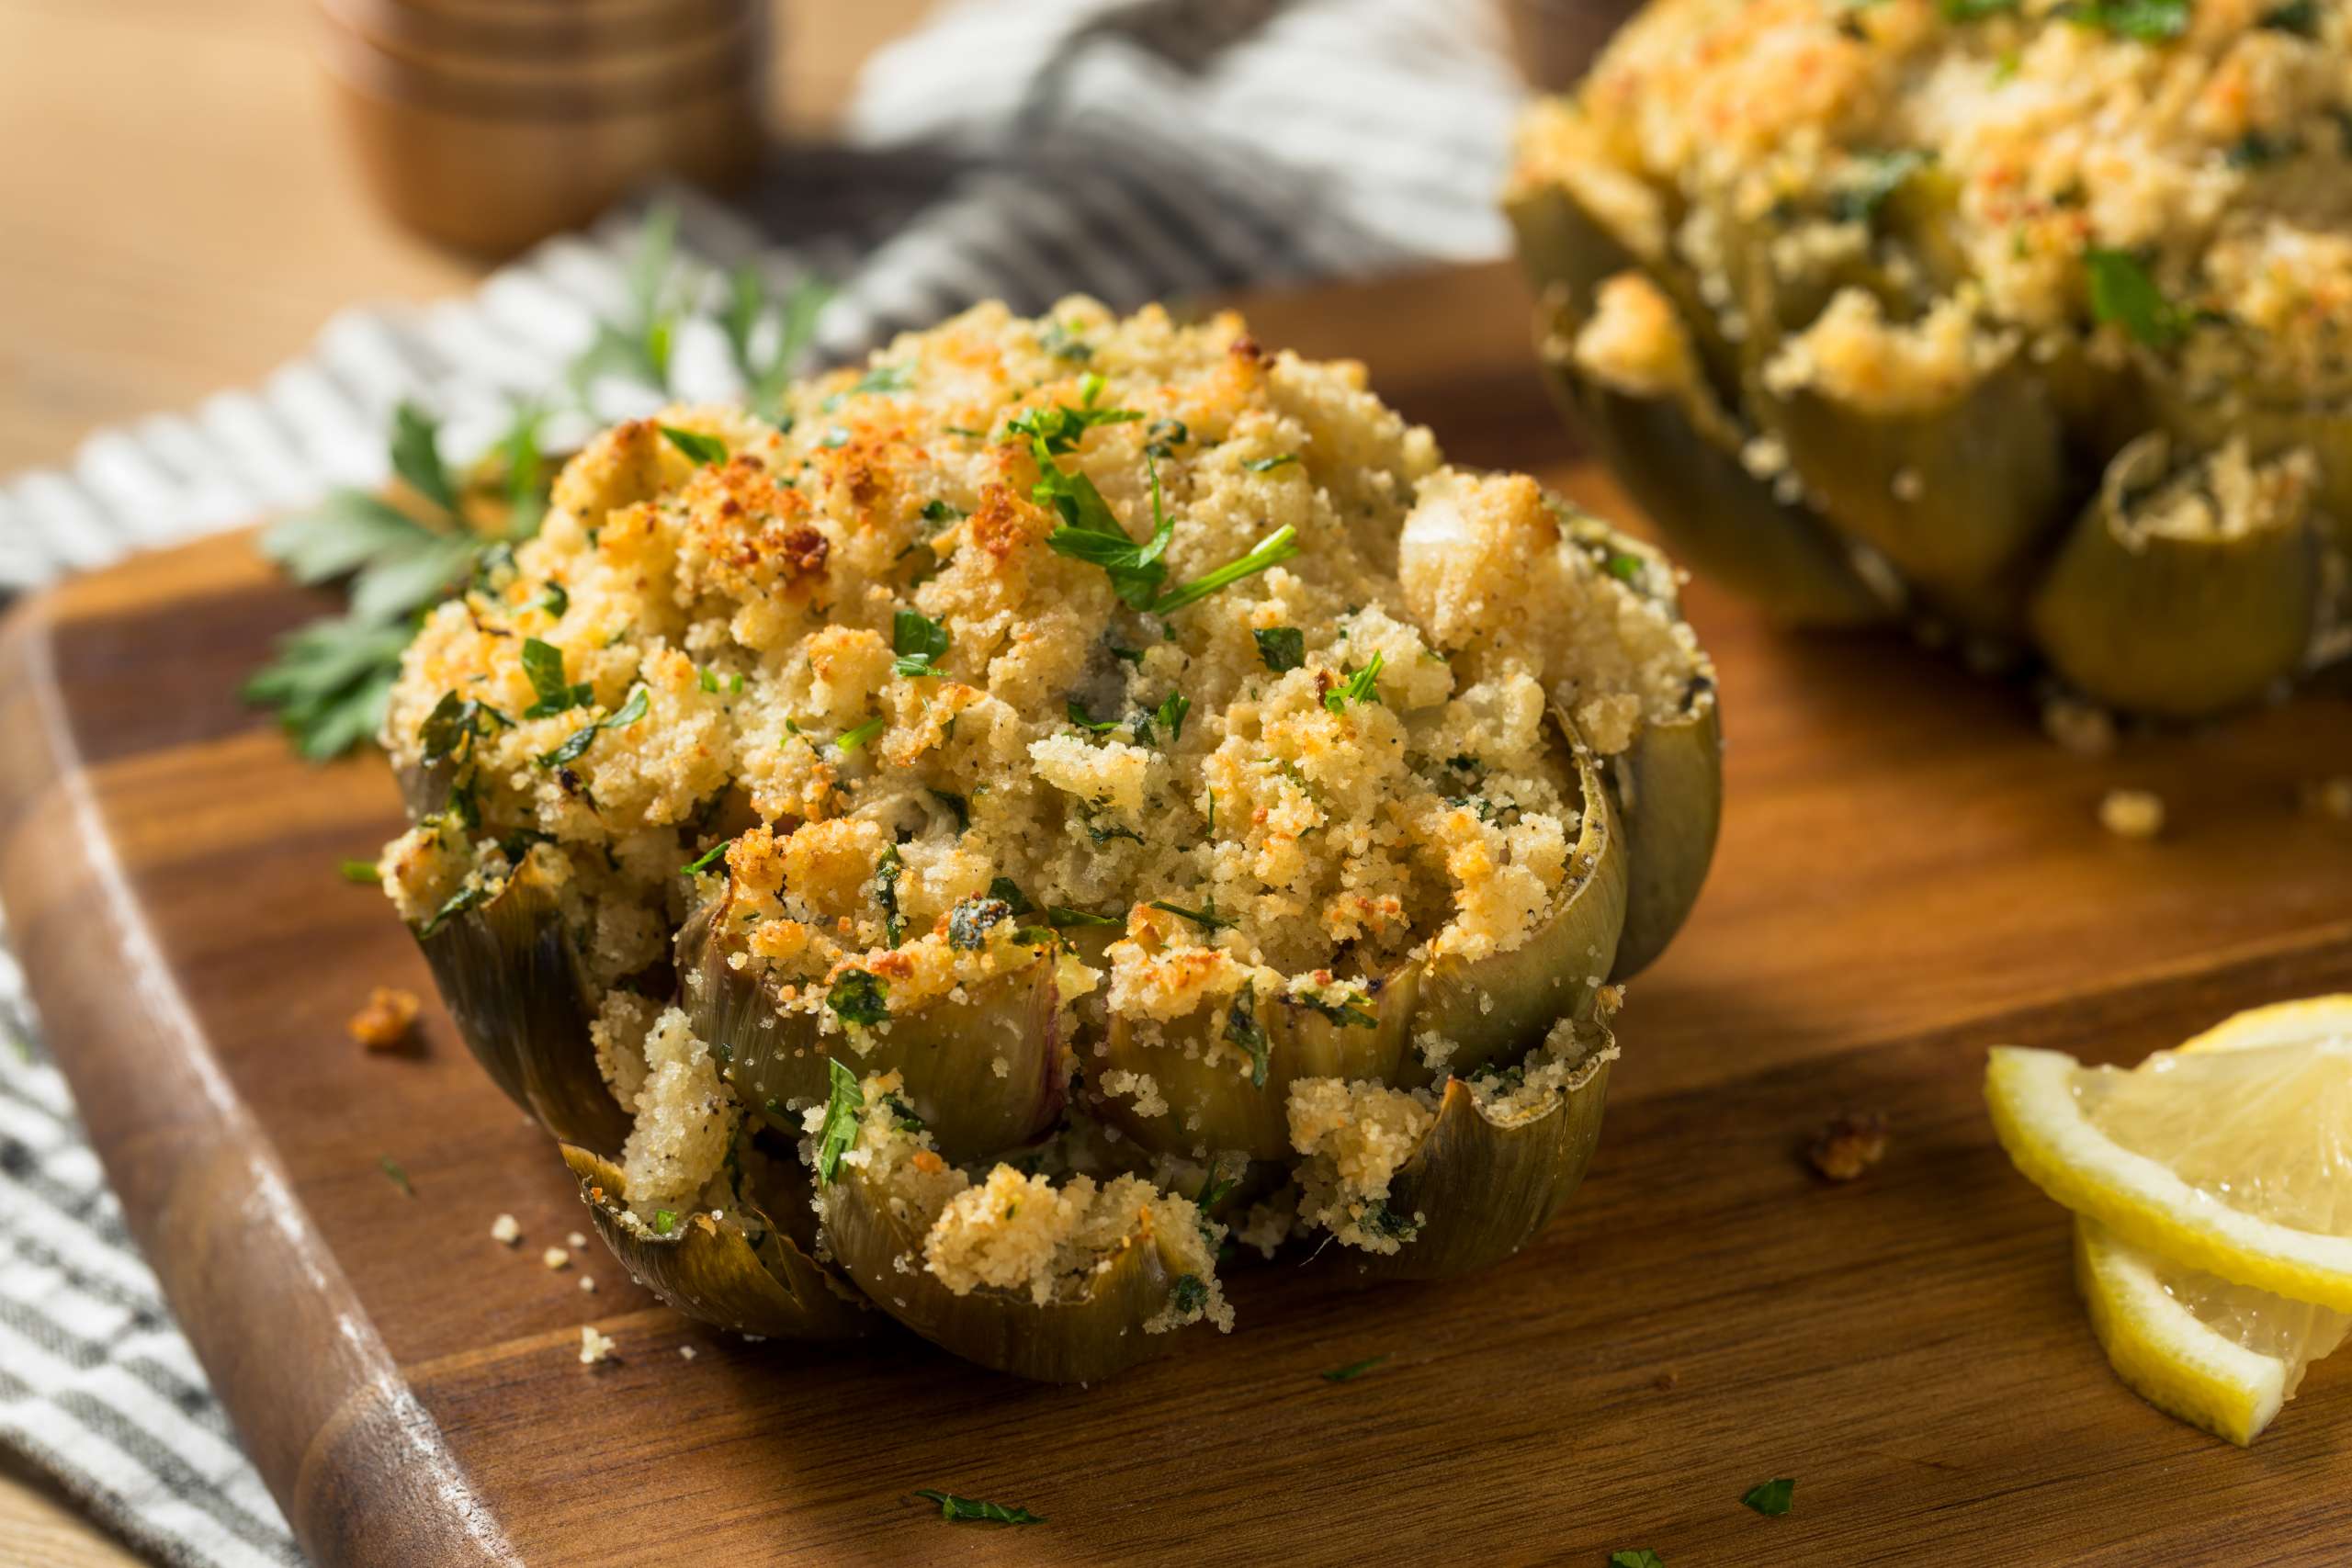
x,y
918,641
844,1104
974,1510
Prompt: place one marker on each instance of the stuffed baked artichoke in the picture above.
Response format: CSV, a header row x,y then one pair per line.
x,y
1071,799
2032,318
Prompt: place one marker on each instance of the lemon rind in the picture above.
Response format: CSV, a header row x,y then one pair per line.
x,y
2162,1351
2280,1023
2038,1121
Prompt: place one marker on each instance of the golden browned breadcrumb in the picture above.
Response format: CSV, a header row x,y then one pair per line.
x,y
385,1021
1849,1145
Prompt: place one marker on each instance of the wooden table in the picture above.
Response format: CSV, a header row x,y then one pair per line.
x,y
177,215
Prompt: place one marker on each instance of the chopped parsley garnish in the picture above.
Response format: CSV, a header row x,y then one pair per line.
x,y
1353,1370
844,1104
1242,1028
1214,1189
1102,834
971,1510
664,1221
554,598
1171,712
939,514
360,871
450,729
399,1177
884,379
705,860
576,744
416,457
2253,149
1268,465
2297,17
1638,1557
887,871
918,641
543,662
1162,436
1877,177
1364,686
1976,10
473,895
1281,648
1063,344
1078,715
1771,1498
1007,892
1090,533
850,740
1208,920
1061,917
859,998
957,806
1350,1010
968,922
2151,21
1623,565
702,449
1190,1295
2122,291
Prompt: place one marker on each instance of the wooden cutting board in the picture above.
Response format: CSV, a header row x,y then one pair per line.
x,y
1909,872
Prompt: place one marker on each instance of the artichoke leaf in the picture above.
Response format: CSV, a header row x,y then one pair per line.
x,y
512,980
946,1051
1681,466
1670,791
755,1280
2181,623
1120,1311
1482,1010
1494,1168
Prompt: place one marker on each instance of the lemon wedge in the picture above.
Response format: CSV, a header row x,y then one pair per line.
x,y
2220,1355
2233,1159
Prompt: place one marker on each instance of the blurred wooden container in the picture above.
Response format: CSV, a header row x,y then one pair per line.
x,y
1557,40
489,124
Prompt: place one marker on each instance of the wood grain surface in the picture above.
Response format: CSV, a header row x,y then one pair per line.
x,y
1908,874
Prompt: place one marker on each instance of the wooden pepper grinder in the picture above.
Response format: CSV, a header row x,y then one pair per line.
x,y
490,124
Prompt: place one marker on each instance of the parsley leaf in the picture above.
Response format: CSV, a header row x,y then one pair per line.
x,y
705,861
1280,647
1771,1498
331,682
1242,1028
959,807
1876,176
1271,551
1976,10
918,641
844,1105
575,745
969,1510
1207,919
2123,292
543,662
2297,17
1268,465
416,457
360,872
1005,891
765,358
1189,1295
1061,917
1353,1369
1171,712
1364,686
2151,21
1638,1557
859,998
664,1221
702,449
887,871
850,740
395,1175
1348,1010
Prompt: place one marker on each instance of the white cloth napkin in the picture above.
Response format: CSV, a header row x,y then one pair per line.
x,y
1013,149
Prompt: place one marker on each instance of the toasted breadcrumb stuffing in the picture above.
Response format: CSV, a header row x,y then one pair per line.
x,y
687,1352
594,1347
506,1230
386,1021
575,1241
2131,813
1356,1136
556,1258
588,1283
1848,1145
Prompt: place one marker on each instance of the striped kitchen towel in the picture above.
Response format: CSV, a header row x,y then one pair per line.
x,y
1012,148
